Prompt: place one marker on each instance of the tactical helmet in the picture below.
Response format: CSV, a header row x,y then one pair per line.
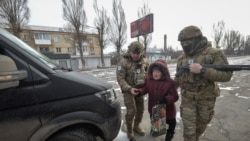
x,y
136,47
189,32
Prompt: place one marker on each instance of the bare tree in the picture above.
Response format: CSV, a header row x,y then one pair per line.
x,y
14,13
218,31
146,38
247,45
101,23
118,32
75,16
231,41
240,44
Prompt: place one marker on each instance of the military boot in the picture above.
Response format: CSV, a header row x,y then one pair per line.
x,y
138,130
130,133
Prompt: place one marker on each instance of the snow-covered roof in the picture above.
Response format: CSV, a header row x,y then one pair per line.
x,y
43,28
48,28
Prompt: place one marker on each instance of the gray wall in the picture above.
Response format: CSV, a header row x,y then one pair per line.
x,y
90,62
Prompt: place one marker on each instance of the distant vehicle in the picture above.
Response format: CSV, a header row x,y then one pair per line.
x,y
39,101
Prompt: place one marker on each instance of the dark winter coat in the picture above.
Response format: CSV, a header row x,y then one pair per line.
x,y
163,88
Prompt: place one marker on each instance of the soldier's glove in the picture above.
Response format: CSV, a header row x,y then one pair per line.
x,y
162,100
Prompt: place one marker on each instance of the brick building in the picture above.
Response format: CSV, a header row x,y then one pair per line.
x,y
55,41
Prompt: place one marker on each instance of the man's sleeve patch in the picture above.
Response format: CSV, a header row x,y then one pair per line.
x,y
119,68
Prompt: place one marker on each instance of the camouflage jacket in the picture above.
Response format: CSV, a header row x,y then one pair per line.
x,y
204,85
131,73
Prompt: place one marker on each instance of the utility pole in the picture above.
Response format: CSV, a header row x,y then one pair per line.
x,y
165,45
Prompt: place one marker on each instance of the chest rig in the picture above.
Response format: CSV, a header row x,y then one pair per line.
x,y
136,73
191,81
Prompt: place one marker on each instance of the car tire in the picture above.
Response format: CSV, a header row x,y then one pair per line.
x,y
79,134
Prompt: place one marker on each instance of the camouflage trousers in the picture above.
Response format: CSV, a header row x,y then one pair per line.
x,y
135,109
195,114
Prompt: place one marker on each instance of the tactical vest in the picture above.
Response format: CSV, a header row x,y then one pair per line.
x,y
136,72
195,85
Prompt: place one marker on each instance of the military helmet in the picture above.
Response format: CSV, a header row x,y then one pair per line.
x,y
189,32
135,47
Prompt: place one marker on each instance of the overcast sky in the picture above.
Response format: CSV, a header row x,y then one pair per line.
x,y
170,16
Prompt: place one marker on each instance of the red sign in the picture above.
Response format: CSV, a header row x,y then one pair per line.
x,y
142,26
134,29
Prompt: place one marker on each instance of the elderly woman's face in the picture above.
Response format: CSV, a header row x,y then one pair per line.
x,y
157,74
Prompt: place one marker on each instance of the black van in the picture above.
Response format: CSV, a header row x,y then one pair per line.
x,y
39,101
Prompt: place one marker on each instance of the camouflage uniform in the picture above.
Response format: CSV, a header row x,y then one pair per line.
x,y
131,74
199,91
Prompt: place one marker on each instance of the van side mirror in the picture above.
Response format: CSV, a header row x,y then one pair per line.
x,y
9,75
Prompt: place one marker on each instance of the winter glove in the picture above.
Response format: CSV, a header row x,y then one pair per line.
x,y
162,100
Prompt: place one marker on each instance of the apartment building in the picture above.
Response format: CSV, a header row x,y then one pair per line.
x,y
61,46
58,41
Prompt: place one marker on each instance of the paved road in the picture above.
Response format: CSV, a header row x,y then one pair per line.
x,y
231,121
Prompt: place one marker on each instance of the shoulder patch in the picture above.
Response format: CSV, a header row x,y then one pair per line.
x,y
119,68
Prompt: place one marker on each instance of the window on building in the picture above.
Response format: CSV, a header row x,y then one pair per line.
x,y
58,50
91,40
56,39
44,49
68,38
70,50
42,36
92,49
26,37
84,48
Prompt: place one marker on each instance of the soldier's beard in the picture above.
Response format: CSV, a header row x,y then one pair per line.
x,y
136,58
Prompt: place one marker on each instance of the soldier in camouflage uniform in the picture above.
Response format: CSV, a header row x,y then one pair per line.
x,y
198,84
131,73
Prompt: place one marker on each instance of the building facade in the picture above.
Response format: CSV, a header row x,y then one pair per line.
x,y
57,41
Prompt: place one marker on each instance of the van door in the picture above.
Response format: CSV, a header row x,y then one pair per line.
x,y
18,107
